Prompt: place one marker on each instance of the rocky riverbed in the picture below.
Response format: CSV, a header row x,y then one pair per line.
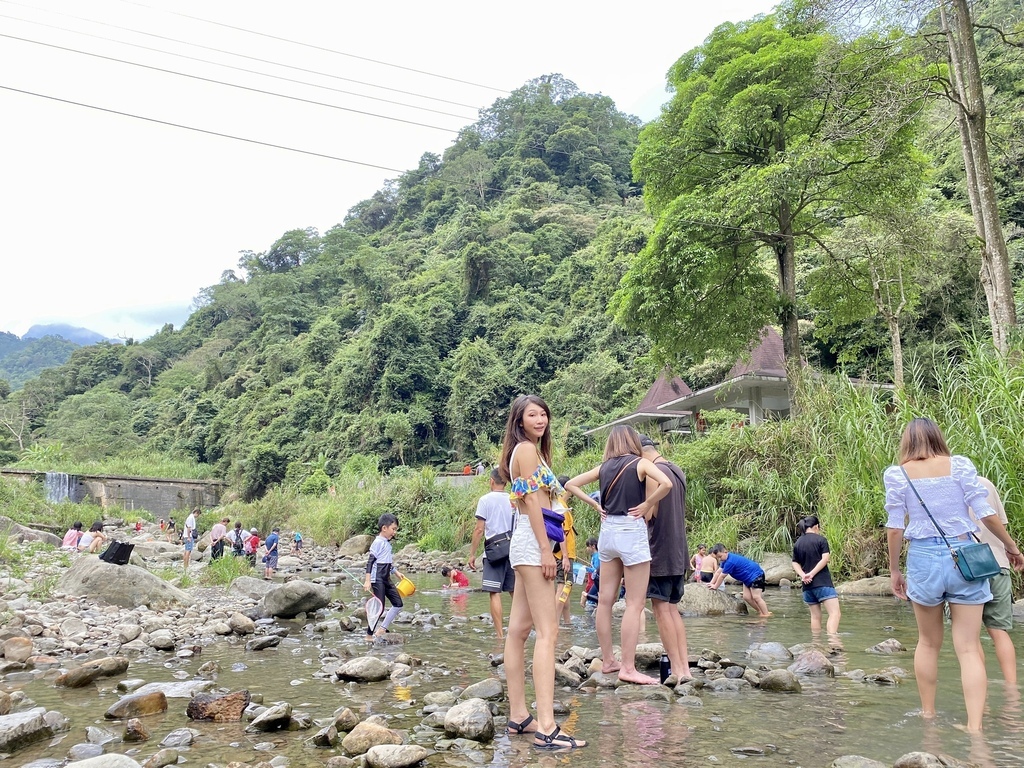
x,y
130,669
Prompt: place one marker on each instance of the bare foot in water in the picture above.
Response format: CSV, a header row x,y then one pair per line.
x,y
638,678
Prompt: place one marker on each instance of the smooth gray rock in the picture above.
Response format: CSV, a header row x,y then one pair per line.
x,y
178,690
356,546
856,761
918,760
471,719
761,652
21,728
396,755
365,669
780,681
294,597
490,689
888,647
106,761
698,600
366,735
873,586
812,662
247,586
127,586
778,566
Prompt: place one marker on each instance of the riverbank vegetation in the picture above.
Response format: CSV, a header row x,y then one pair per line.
x,y
802,175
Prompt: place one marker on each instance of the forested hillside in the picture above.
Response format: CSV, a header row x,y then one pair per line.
x,y
24,359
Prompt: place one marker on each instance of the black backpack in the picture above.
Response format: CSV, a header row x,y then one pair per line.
x,y
118,552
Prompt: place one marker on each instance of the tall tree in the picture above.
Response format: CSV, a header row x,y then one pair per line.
x,y
774,135
963,85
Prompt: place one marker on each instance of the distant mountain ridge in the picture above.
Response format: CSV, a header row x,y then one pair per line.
x,y
42,347
80,336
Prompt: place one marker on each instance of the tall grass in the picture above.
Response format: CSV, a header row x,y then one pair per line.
x,y
132,465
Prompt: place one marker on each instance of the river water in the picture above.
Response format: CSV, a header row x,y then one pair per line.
x,y
832,717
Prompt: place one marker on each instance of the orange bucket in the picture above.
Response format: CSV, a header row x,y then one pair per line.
x,y
405,587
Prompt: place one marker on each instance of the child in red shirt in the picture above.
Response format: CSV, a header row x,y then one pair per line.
x,y
457,579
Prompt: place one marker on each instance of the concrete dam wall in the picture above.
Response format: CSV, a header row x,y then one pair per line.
x,y
156,495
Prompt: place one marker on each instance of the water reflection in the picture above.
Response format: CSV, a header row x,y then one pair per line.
x,y
832,717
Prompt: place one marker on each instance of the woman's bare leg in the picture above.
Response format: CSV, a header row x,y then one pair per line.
x,y
967,644
611,576
520,622
926,655
637,577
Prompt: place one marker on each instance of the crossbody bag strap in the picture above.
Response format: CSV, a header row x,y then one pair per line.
x,y
611,485
942,533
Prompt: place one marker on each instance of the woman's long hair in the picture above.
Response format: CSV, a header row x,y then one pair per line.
x,y
623,441
922,439
516,434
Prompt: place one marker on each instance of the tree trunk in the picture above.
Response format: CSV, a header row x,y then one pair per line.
x,y
971,117
897,350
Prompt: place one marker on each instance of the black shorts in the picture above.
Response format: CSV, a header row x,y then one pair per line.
x,y
499,576
757,583
384,588
707,576
667,589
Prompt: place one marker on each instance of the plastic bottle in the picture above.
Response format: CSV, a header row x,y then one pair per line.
x,y
564,594
664,667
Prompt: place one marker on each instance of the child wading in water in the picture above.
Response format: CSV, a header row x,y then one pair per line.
x,y
745,571
379,565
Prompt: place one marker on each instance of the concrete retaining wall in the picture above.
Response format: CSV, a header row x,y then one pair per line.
x,y
158,496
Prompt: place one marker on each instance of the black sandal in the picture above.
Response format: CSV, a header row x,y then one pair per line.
x,y
556,740
520,728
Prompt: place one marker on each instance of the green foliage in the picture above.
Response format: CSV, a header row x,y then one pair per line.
x,y
761,148
224,570
24,359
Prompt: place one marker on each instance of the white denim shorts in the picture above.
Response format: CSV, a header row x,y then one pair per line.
x,y
625,538
523,549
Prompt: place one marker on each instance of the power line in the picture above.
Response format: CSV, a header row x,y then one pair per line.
x,y
243,56
230,85
200,130
316,47
238,69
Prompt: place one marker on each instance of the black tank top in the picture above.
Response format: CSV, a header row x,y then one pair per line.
x,y
627,492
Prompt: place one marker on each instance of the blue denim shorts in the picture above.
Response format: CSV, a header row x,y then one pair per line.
x,y
819,595
933,579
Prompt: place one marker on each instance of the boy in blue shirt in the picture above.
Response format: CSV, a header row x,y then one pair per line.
x,y
745,571
379,565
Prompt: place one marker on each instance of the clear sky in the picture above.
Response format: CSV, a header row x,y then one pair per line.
x,y
115,224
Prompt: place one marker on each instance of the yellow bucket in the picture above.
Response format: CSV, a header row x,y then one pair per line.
x,y
405,587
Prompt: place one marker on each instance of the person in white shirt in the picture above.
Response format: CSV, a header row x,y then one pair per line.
x,y
190,534
494,526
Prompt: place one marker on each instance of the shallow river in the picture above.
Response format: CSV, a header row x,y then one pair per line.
x,y
831,717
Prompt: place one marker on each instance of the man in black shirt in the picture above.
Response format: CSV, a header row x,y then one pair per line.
x,y
810,561
669,560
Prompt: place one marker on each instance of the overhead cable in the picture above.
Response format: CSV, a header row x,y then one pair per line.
x,y
243,56
316,47
238,69
229,85
200,130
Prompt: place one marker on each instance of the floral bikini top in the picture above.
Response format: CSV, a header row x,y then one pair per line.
x,y
542,477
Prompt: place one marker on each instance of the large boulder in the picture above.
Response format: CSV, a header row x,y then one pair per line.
x,y
247,586
366,669
698,600
778,566
23,728
127,586
357,546
293,598
874,586
22,533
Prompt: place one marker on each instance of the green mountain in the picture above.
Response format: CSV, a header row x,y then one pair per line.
x,y
22,359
